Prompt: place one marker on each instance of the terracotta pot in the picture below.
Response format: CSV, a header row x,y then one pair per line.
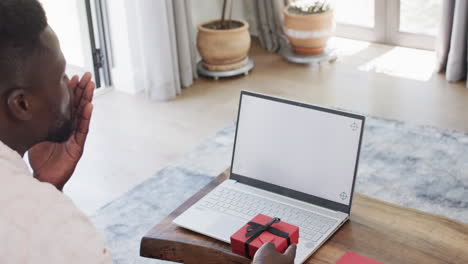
x,y
223,49
308,34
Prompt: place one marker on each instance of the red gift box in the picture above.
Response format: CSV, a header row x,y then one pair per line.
x,y
351,258
260,230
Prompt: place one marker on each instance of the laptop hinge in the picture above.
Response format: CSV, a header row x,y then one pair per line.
x,y
287,197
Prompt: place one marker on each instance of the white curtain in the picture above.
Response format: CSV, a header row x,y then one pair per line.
x,y
166,59
268,15
452,42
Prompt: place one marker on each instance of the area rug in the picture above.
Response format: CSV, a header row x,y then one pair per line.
x,y
414,166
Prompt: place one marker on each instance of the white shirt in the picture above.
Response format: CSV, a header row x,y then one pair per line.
x,y
39,224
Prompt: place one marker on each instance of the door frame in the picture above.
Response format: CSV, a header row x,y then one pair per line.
x,y
96,15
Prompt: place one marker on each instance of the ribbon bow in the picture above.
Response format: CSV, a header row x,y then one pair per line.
x,y
255,229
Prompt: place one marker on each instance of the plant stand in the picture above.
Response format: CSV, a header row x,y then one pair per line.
x,y
222,74
328,55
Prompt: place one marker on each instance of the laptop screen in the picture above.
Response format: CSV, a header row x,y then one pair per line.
x,y
298,150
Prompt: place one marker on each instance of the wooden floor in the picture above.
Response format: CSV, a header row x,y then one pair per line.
x,y
132,138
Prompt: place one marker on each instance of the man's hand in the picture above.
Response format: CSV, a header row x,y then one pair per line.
x,y
267,255
55,162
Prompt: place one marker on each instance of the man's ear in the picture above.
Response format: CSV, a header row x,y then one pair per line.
x,y
19,105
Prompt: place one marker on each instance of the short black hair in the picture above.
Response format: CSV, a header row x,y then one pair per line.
x,y
21,25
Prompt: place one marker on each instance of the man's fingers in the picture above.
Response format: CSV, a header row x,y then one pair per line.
x,y
85,118
81,86
85,80
73,82
86,98
80,89
89,92
83,124
291,252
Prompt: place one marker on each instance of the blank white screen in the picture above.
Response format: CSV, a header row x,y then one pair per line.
x,y
302,149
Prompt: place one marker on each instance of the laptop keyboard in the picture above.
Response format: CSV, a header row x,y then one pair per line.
x,y
312,226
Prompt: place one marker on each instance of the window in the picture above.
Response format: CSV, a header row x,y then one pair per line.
x,y
357,12
411,23
419,16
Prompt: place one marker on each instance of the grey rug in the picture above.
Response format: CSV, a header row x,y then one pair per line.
x,y
415,166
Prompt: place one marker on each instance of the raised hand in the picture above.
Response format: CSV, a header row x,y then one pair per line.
x,y
55,162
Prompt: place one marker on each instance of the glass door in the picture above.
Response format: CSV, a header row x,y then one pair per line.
x,y
414,23
411,23
75,23
356,19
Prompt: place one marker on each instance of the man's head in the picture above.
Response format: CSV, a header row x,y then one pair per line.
x,y
35,101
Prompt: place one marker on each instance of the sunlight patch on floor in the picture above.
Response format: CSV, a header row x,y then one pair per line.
x,y
403,62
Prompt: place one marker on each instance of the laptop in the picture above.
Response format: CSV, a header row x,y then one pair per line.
x,y
291,160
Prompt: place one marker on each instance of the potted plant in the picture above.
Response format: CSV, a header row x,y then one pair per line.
x,y
308,24
224,43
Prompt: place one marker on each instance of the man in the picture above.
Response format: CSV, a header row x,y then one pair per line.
x,y
44,113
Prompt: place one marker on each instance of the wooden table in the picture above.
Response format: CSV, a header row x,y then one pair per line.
x,y
382,231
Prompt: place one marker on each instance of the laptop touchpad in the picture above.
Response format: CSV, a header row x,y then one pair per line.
x,y
226,226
